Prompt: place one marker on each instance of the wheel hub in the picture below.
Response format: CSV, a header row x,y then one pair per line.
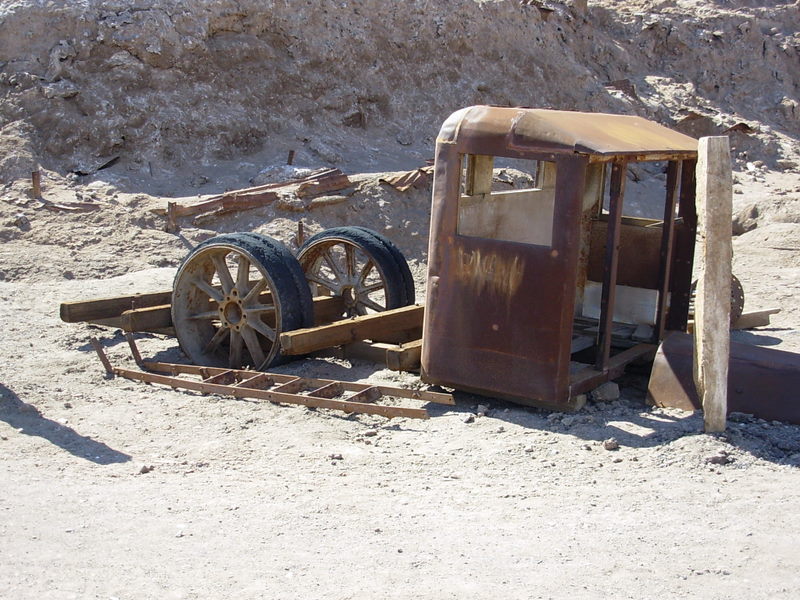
x,y
231,311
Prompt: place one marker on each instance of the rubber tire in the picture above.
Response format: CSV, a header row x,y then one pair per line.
x,y
402,263
294,302
396,288
289,259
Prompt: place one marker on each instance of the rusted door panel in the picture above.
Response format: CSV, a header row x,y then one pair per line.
x,y
496,311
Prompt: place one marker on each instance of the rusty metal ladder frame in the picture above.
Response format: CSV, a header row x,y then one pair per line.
x,y
275,387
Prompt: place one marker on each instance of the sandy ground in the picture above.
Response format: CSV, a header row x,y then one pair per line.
x,y
118,490
244,498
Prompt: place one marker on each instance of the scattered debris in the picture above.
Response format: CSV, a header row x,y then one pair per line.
x,y
721,458
405,181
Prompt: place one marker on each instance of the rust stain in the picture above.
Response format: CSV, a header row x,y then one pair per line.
x,y
490,272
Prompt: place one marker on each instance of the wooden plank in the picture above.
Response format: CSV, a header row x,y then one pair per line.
x,y
713,300
371,351
147,319
405,357
159,318
303,341
402,336
756,318
107,308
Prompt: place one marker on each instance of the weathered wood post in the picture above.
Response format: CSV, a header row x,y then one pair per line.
x,y
713,299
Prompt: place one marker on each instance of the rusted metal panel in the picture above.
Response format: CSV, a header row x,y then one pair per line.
x,y
638,254
761,381
538,130
611,264
487,297
667,245
683,254
499,313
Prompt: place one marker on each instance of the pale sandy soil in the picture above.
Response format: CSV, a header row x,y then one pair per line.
x,y
244,499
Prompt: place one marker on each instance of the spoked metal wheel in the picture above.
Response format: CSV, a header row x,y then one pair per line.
x,y
737,299
233,296
359,266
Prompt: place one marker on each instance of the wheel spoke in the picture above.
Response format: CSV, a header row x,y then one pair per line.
x,y
337,273
235,355
259,309
206,287
365,271
216,340
350,259
223,272
212,314
262,328
371,304
259,287
326,283
254,347
243,275
368,289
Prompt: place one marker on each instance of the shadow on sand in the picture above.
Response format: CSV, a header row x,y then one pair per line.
x,y
27,420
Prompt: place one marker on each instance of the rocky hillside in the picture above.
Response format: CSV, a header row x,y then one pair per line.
x,y
164,84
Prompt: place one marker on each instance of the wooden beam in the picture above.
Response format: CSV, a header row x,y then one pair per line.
x,y
405,357
158,317
303,341
108,308
713,300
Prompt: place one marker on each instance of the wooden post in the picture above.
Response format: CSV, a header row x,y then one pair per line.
x,y
713,300
172,220
36,183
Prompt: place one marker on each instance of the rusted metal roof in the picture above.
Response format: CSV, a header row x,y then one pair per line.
x,y
557,131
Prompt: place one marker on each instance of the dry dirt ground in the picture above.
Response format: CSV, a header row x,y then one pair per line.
x,y
244,498
114,489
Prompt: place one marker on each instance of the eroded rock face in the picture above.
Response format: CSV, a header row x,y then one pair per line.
x,y
176,83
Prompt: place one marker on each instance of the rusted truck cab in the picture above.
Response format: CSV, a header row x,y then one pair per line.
x,y
538,295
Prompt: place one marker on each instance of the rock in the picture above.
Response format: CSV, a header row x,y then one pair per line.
x,y
277,173
21,221
482,410
370,433
568,421
608,392
67,405
611,444
336,456
745,220
470,418
740,417
146,469
720,459
500,429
